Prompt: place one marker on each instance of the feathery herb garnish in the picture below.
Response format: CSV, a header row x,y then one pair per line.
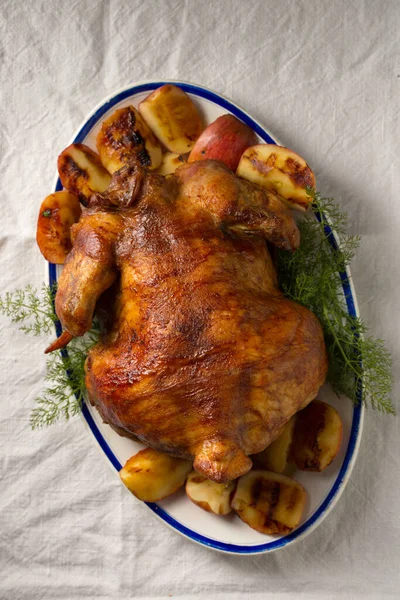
x,y
313,276
33,310
65,372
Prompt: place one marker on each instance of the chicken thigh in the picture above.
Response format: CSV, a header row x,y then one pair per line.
x,y
202,357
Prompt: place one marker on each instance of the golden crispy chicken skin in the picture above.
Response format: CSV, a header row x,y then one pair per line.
x,y
202,356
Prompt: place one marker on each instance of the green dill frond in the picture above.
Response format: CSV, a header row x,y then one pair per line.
x,y
313,276
65,373
32,310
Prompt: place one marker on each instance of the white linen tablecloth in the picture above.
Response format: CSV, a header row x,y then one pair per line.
x,y
324,76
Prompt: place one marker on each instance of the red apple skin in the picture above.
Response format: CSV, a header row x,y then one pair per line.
x,y
225,139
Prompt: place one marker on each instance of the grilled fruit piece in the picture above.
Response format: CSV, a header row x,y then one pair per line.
x,y
125,135
81,171
279,169
317,436
170,162
173,118
151,475
275,457
209,495
225,139
58,212
269,502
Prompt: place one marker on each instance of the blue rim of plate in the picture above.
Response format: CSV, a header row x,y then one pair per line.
x,y
351,307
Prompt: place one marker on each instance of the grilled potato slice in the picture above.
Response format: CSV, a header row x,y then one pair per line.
x,y
81,171
279,169
269,502
151,475
170,162
209,495
173,118
58,212
317,436
125,135
276,456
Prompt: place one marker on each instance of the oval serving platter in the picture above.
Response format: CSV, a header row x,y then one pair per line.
x,y
226,534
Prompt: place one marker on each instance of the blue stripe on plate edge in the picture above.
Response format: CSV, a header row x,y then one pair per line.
x,y
357,411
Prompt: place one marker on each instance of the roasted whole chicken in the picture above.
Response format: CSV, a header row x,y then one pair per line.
x,y
202,357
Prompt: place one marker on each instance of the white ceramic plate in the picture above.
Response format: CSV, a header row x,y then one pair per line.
x,y
227,534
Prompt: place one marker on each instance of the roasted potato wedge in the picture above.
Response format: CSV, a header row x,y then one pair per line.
x,y
81,171
317,436
58,212
276,456
170,162
151,475
173,117
225,139
279,169
269,502
125,135
209,495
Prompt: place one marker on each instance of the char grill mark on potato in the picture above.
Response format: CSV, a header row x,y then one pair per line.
x,y
317,436
71,167
124,137
281,170
173,117
81,172
269,502
130,139
144,157
267,492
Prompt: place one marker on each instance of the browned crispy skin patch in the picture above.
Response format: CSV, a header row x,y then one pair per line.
x,y
203,357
